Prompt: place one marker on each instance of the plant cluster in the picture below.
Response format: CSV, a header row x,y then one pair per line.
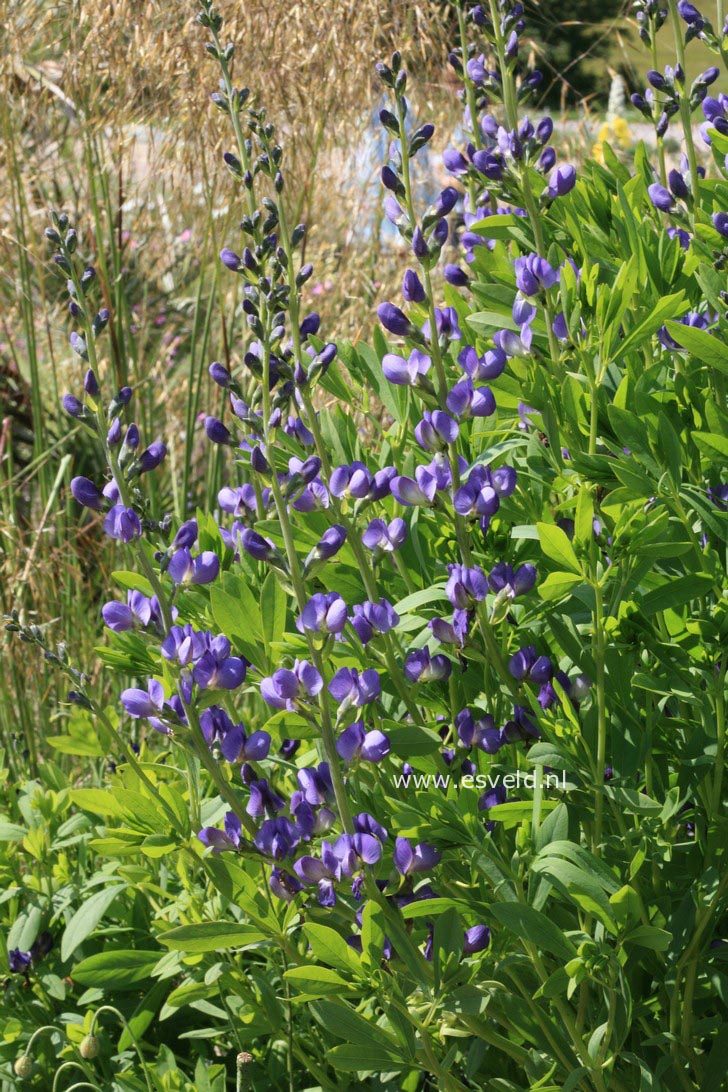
x,y
419,778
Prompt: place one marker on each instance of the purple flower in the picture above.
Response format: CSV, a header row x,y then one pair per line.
x,y
284,885
502,576
328,545
122,523
285,688
660,197
230,259
324,613
263,801
421,858
720,223
488,366
481,733
19,962
412,289
406,373
415,491
420,666
355,742
87,493
436,430
534,274
561,181
354,481
394,320
120,617
151,457
465,586
144,703
220,840
446,323
379,536
277,838
476,939
370,619
349,688
259,548
465,400
184,569
235,745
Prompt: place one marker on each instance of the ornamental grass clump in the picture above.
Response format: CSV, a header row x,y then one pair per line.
x,y
420,737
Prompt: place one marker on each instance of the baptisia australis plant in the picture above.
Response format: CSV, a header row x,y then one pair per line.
x,y
392,628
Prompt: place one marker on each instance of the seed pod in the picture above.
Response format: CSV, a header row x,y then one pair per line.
x,y
23,1066
89,1047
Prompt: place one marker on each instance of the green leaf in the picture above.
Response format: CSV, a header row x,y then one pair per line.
x,y
12,832
133,582
98,802
330,947
273,611
86,918
118,970
675,593
649,936
211,936
710,442
557,547
557,585
351,1059
525,921
340,1019
709,349
317,981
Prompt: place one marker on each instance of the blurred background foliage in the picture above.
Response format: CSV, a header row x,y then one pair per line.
x,y
104,113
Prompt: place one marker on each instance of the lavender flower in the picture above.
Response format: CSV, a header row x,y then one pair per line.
x,y
420,666
355,742
122,523
185,569
420,858
221,840
380,536
324,613
370,619
349,688
287,688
